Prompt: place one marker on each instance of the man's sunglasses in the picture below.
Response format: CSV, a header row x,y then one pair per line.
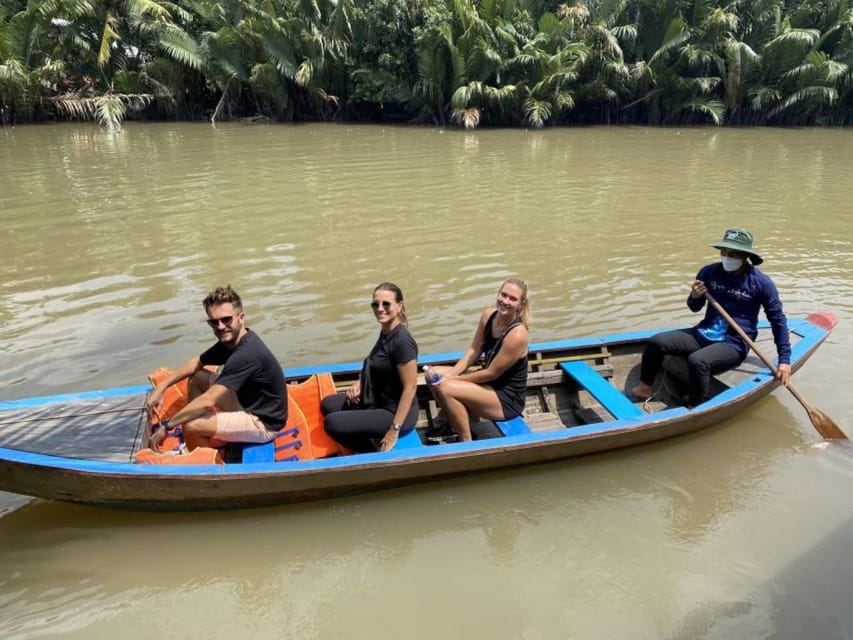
x,y
385,305
226,320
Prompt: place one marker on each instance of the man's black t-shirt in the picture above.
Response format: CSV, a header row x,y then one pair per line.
x,y
253,373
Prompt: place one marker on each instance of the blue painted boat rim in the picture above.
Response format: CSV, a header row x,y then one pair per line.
x,y
426,452
810,339
800,326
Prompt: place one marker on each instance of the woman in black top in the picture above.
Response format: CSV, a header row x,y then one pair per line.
x,y
381,405
496,391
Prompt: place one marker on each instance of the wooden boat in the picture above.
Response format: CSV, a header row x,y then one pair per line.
x,y
80,447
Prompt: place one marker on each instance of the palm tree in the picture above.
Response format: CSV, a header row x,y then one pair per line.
x,y
604,77
681,80
781,71
377,78
549,79
810,90
272,54
27,72
108,42
440,66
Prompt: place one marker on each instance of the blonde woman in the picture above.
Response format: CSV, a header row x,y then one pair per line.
x,y
496,390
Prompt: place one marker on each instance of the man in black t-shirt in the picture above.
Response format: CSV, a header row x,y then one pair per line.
x,y
243,400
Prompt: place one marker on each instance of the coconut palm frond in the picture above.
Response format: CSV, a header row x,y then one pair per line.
x,y
677,33
695,57
468,118
304,73
814,95
177,11
804,37
342,19
108,36
805,70
12,71
837,71
721,21
741,50
564,100
76,106
577,13
108,109
181,46
482,61
503,96
702,85
537,112
625,32
640,69
710,107
525,60
762,98
269,90
461,97
148,8
280,50
617,69
223,52
605,41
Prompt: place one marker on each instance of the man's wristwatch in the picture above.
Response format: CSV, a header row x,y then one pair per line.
x,y
396,426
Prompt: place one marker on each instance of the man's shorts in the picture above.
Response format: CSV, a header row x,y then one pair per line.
x,y
239,426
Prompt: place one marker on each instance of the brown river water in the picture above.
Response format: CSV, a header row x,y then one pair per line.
x,y
109,243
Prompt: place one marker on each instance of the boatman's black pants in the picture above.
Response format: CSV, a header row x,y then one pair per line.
x,y
704,358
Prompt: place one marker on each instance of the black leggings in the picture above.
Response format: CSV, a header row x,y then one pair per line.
x,y
704,358
358,429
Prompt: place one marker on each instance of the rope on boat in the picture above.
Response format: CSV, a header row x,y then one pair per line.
x,y
72,416
664,387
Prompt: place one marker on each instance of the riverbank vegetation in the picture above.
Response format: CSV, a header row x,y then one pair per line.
x,y
530,63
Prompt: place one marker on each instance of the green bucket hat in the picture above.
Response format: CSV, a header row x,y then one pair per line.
x,y
738,239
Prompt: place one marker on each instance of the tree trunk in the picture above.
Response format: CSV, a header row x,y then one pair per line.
x,y
222,102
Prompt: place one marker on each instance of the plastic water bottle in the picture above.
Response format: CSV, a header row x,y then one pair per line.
x,y
431,375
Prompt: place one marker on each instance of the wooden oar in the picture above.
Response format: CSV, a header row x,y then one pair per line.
x,y
822,422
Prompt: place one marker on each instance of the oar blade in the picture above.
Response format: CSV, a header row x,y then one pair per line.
x,y
825,425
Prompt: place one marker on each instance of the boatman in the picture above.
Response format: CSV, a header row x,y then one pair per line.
x,y
243,400
712,346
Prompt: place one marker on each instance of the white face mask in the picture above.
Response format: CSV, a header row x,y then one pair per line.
x,y
731,264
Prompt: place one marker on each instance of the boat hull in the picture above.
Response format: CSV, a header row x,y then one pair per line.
x,y
120,484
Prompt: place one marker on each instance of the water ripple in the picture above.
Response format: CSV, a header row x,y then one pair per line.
x,y
111,242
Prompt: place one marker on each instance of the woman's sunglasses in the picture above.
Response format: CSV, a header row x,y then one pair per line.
x,y
385,305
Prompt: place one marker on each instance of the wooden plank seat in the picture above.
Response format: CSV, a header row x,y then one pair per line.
x,y
513,427
619,406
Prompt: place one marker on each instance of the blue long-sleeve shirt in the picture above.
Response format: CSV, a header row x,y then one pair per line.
x,y
742,295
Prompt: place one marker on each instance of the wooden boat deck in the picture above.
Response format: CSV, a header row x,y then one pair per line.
x,y
108,428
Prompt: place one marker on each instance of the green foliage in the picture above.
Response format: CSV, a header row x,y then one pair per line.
x,y
466,62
